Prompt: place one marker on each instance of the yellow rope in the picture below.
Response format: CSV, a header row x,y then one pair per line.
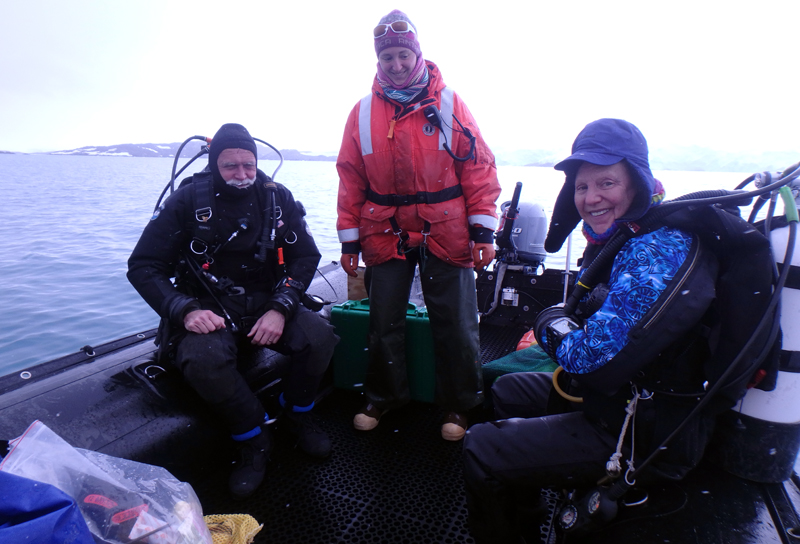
x,y
232,528
557,387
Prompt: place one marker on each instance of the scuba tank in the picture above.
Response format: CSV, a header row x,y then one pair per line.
x,y
760,436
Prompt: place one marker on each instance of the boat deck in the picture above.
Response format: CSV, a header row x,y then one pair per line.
x,y
401,483
398,483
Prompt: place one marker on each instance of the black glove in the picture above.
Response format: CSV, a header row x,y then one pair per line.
x,y
551,326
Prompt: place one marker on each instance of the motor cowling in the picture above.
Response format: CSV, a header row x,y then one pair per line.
x,y
529,232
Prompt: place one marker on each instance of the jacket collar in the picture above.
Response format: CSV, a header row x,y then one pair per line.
x,y
435,86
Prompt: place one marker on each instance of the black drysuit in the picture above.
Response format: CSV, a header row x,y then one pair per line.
x,y
173,246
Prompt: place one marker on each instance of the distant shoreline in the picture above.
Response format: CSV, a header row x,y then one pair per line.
x,y
688,159
189,150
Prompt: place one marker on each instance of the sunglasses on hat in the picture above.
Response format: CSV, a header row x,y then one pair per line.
x,y
398,27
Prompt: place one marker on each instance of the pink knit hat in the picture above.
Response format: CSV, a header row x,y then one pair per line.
x,y
388,37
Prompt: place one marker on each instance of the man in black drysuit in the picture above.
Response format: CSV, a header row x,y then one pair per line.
x,y
235,289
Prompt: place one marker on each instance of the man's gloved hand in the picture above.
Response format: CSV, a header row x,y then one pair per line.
x,y
551,326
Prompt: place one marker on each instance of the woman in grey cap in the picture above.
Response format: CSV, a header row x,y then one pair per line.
x,y
541,439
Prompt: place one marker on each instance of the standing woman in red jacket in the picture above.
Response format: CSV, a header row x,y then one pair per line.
x,y
417,187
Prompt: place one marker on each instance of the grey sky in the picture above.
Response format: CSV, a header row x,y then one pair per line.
x,y
710,73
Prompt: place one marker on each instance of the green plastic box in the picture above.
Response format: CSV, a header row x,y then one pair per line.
x,y
350,358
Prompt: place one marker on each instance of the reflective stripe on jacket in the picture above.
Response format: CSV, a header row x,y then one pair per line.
x,y
392,149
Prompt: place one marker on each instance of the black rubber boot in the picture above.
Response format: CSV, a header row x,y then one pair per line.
x,y
310,436
251,466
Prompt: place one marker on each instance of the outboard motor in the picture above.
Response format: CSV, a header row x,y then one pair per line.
x,y
513,292
528,232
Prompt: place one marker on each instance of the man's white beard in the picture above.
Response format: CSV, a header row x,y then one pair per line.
x,y
244,184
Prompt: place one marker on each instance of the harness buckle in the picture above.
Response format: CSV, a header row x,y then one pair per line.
x,y
426,231
203,214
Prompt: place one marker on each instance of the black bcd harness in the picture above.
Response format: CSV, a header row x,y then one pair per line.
x,y
204,241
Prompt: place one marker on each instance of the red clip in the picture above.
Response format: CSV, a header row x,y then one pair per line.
x,y
280,255
130,513
757,377
99,500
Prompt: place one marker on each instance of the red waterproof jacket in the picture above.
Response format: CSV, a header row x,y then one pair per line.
x,y
391,149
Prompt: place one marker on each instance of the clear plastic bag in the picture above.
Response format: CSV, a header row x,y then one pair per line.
x,y
121,500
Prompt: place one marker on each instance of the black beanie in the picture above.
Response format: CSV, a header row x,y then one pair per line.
x,y
229,136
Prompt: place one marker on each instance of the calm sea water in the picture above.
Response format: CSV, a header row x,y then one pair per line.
x,y
70,224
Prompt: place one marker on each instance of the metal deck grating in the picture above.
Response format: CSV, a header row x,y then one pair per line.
x,y
398,483
498,340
